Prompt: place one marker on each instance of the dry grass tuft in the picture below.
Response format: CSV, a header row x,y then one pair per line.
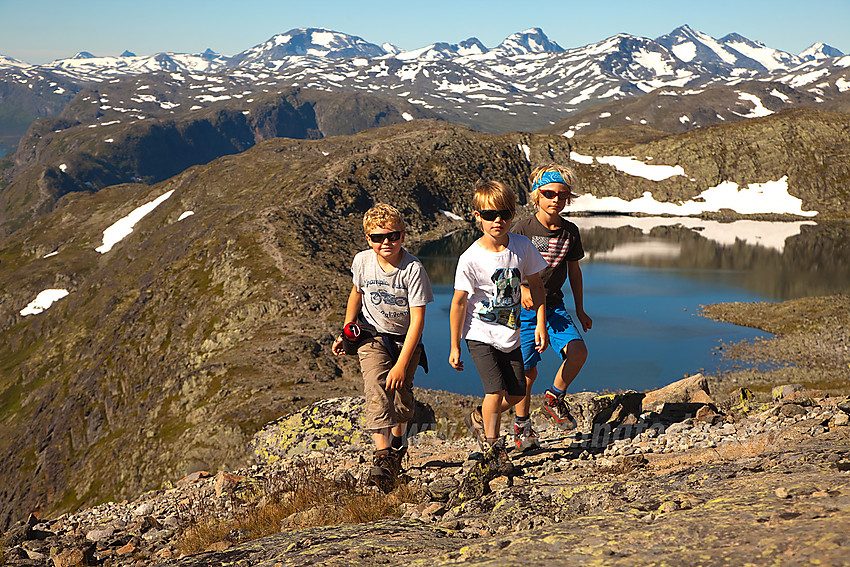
x,y
303,496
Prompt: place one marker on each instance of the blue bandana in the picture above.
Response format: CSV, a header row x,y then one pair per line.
x,y
549,177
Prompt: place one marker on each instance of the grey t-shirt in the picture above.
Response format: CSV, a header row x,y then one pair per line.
x,y
388,297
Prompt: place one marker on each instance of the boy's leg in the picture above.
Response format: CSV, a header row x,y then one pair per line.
x,y
566,338
491,411
523,408
382,438
576,355
530,358
375,364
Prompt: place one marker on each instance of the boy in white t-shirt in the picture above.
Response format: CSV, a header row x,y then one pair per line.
x,y
485,310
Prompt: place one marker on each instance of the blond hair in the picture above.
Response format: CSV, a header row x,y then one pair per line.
x,y
493,195
382,215
568,175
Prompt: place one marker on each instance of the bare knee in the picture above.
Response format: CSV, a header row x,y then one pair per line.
x,y
530,375
576,352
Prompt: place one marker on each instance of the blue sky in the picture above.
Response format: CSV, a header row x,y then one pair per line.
x,y
38,31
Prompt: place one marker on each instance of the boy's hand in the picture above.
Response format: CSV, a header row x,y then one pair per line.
x,y
454,359
337,347
541,339
585,320
525,298
395,378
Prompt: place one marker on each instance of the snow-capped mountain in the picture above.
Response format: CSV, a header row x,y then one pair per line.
x,y
313,42
527,82
523,43
85,67
819,51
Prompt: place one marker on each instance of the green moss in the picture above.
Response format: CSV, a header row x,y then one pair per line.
x,y
10,399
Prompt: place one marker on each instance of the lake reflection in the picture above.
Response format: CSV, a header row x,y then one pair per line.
x,y
644,280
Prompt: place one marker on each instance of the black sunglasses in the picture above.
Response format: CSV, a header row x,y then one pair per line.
x,y
554,194
491,214
393,236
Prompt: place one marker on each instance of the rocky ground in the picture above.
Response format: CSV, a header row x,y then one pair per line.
x,y
759,483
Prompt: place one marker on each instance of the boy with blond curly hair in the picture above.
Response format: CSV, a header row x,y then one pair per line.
x,y
387,301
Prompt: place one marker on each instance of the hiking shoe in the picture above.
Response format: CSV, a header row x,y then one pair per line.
x,y
496,459
525,437
493,462
475,423
556,407
384,470
397,456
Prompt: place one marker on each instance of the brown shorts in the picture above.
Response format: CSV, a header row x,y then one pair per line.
x,y
383,408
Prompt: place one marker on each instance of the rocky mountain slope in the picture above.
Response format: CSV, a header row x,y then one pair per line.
x,y
69,154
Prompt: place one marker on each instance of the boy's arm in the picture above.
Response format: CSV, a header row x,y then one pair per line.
x,y
457,315
526,300
352,310
395,378
577,287
538,296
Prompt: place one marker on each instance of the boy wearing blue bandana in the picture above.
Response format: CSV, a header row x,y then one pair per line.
x,y
559,242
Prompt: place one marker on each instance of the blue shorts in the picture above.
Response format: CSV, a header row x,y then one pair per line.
x,y
561,330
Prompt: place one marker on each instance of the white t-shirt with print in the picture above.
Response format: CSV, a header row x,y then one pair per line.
x,y
492,281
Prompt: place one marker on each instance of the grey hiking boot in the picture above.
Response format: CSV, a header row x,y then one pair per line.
x,y
525,437
556,407
385,467
475,423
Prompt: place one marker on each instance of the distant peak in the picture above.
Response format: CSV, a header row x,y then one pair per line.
x,y
83,55
127,53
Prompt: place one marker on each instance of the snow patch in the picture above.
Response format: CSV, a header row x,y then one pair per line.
x,y
756,198
119,230
43,301
637,168
758,110
575,156
526,150
184,215
451,215
780,96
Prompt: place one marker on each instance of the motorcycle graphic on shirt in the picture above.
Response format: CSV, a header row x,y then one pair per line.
x,y
382,296
503,308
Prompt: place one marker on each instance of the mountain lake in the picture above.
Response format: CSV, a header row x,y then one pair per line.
x,y
645,279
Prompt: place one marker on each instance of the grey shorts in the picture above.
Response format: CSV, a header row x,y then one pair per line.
x,y
385,408
498,370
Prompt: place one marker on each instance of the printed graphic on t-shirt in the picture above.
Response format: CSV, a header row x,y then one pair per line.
x,y
382,296
553,249
502,309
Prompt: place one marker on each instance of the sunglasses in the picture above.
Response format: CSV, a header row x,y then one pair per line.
x,y
491,214
554,194
393,236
